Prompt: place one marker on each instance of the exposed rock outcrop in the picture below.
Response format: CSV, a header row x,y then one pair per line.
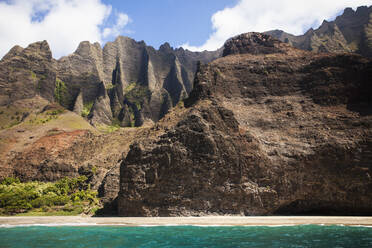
x,y
349,32
25,73
79,104
253,43
101,110
267,129
139,80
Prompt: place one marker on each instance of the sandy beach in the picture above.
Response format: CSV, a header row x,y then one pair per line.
x,y
209,220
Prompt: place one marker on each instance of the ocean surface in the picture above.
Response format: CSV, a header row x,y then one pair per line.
x,y
186,236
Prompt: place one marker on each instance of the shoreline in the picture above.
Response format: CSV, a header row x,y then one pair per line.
x,y
185,221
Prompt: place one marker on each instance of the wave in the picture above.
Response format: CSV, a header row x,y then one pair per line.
x,y
157,225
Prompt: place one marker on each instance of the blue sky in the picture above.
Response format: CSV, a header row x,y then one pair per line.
x,y
196,25
173,21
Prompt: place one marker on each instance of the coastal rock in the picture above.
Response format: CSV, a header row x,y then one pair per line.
x,y
283,131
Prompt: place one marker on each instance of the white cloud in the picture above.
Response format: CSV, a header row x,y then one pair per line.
x,y
292,16
121,21
63,23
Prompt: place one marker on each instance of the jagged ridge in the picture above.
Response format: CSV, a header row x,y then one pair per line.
x,y
156,79
350,32
95,81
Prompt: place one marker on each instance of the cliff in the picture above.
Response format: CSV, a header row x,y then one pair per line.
x,y
267,129
25,73
349,32
127,82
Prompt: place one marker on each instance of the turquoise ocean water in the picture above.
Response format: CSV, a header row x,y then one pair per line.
x,y
186,236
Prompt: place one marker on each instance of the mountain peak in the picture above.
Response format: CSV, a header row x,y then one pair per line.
x,y
349,11
16,50
40,49
252,43
85,48
165,47
361,10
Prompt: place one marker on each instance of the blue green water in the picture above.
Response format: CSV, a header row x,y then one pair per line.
x,y
186,236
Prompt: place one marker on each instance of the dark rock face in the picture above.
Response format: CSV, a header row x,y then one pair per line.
x,y
109,189
350,32
253,43
193,169
289,132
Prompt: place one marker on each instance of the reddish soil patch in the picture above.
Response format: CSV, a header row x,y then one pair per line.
x,y
53,144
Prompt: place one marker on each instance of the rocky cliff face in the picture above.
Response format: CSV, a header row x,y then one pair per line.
x,y
25,73
267,129
127,83
350,32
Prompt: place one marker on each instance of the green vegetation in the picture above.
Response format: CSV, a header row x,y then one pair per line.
x,y
136,94
132,117
94,170
181,104
129,87
34,79
110,86
11,116
70,120
33,76
86,109
10,180
46,116
60,92
108,128
68,196
115,125
112,128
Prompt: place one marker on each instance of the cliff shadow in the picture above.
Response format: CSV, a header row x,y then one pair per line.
x,y
315,207
108,209
363,109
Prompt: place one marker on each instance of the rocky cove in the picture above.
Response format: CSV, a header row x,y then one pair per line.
x,y
258,127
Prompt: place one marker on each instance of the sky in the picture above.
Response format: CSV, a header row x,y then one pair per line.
x,y
196,25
